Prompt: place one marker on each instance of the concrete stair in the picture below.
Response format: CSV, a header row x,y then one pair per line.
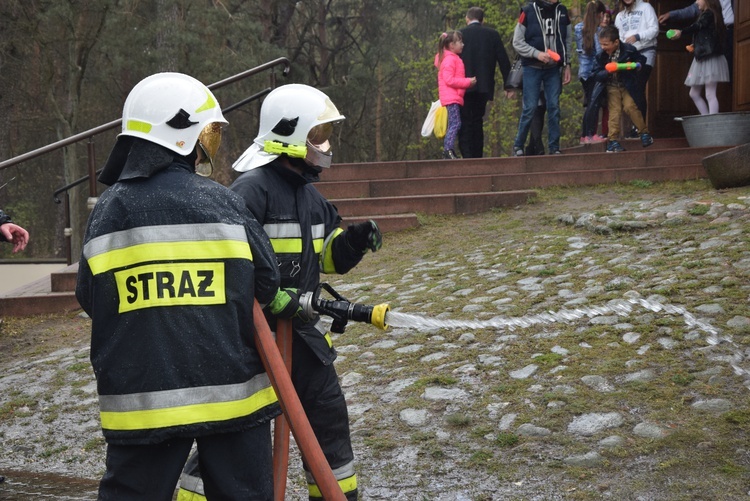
x,y
52,294
393,193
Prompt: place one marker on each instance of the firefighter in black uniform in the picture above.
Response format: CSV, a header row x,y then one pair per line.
x,y
170,266
286,157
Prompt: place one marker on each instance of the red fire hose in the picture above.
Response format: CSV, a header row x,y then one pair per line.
x,y
281,427
293,411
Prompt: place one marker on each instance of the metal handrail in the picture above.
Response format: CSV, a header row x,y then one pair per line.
x,y
225,111
89,134
115,123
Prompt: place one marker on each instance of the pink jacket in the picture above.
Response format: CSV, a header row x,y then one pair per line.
x,y
452,80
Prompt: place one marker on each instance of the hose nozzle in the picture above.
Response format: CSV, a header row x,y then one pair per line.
x,y
342,310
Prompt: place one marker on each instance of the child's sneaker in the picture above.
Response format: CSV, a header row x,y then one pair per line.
x,y
585,140
518,152
596,138
614,147
646,139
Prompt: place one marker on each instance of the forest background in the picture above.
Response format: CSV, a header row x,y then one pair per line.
x,y
66,66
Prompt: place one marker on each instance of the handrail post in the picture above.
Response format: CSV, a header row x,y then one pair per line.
x,y
68,231
92,173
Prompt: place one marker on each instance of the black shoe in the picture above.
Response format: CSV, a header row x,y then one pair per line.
x,y
633,134
449,154
646,140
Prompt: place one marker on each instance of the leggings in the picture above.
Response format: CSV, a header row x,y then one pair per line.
x,y
454,125
711,104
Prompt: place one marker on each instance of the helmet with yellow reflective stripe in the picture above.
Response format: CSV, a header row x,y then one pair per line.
x,y
296,120
175,111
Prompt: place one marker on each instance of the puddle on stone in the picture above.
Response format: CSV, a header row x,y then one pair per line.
x,y
27,486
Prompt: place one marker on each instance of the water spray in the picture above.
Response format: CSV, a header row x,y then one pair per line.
x,y
341,310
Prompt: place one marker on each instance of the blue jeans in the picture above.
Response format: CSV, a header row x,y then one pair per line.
x,y
533,78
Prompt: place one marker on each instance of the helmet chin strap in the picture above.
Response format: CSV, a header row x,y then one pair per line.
x,y
312,155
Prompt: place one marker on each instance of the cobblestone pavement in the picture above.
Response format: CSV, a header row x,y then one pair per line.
x,y
651,403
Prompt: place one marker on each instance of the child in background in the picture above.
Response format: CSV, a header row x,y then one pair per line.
x,y
452,85
709,64
619,86
587,46
639,26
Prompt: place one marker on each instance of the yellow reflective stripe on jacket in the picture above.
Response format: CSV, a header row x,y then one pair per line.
x,y
166,243
286,238
326,256
161,409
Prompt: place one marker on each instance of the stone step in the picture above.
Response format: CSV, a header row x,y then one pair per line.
x,y
387,223
504,182
584,158
37,298
451,203
65,279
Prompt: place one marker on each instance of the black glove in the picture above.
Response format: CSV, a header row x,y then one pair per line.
x,y
363,236
286,305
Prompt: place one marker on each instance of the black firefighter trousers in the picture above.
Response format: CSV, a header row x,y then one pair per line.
x,y
233,466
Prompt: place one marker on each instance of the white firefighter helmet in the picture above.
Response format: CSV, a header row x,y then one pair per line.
x,y
296,120
175,111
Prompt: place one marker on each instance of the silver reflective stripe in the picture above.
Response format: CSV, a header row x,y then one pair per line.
x,y
321,327
163,233
184,396
192,484
283,230
340,473
318,230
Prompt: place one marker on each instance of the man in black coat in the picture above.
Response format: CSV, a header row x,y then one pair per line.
x,y
483,49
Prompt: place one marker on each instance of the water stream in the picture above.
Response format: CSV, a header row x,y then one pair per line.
x,y
621,308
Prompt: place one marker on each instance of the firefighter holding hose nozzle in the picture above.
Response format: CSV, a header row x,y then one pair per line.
x,y
290,151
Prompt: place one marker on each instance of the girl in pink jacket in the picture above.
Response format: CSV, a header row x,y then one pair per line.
x,y
452,85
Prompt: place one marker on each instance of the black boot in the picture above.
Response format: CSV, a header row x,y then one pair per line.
x,y
449,154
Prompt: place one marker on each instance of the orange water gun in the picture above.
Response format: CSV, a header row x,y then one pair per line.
x,y
554,55
613,66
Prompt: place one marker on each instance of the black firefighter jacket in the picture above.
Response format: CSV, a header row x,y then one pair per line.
x,y
169,268
304,230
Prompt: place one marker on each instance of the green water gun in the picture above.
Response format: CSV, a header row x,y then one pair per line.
x,y
613,66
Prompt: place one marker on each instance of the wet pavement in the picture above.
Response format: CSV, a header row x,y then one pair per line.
x,y
26,486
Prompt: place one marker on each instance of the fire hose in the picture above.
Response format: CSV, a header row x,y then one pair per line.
x,y
277,360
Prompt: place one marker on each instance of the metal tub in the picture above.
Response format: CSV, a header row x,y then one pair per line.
x,y
729,168
719,129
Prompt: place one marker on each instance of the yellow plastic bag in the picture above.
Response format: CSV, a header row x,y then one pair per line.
x,y
429,123
441,122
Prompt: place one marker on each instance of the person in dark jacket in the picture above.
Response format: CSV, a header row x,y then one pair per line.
x,y
483,51
709,65
12,233
170,268
692,12
618,85
278,172
541,39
